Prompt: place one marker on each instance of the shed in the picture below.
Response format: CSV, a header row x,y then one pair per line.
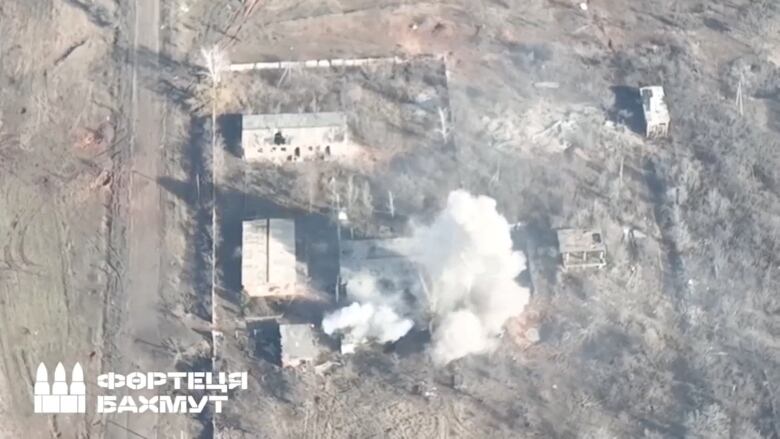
x,y
656,112
299,344
294,137
582,248
269,263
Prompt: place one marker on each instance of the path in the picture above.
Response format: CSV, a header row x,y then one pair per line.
x,y
140,335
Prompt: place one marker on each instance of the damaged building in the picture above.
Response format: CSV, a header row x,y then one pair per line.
x,y
389,260
295,137
582,248
656,112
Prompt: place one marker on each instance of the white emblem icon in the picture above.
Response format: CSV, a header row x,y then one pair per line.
x,y
59,397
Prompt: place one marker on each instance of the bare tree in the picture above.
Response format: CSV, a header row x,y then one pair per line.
x,y
352,194
215,61
368,199
390,203
739,99
444,124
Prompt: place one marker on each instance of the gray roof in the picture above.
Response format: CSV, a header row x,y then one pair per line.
x,y
298,342
293,120
269,265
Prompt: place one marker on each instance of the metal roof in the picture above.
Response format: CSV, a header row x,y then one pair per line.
x,y
298,344
269,265
293,120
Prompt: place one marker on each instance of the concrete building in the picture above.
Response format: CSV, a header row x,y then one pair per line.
x,y
656,112
299,344
294,137
269,261
581,248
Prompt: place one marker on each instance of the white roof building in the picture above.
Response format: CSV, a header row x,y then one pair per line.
x,y
299,344
656,112
269,264
294,137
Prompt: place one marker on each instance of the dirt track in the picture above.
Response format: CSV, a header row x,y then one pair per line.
x,y
138,335
148,336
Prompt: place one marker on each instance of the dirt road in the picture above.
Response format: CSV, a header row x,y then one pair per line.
x,y
140,334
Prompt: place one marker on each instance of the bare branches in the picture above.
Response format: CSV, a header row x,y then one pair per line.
x,y
215,61
739,102
444,124
390,203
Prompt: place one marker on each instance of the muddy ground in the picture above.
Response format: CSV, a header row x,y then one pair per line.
x,y
107,196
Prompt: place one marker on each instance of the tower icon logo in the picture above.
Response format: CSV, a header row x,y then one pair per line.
x,y
59,397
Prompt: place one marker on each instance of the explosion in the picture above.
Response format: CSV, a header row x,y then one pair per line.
x,y
469,289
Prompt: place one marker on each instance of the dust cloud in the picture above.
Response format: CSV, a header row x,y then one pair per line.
x,y
467,270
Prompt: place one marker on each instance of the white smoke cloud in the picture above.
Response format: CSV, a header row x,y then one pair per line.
x,y
458,334
372,316
470,290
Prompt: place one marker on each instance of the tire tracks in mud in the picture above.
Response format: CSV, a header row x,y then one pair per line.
x,y
25,327
14,247
63,245
114,223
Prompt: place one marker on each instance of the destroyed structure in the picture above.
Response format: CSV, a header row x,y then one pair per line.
x,y
294,137
298,344
387,260
269,264
582,248
656,112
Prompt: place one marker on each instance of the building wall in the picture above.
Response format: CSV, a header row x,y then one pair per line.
x,y
310,143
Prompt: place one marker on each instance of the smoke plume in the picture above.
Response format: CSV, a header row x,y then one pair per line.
x,y
373,314
469,290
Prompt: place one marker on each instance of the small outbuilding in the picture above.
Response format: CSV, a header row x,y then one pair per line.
x,y
299,344
656,112
293,137
582,248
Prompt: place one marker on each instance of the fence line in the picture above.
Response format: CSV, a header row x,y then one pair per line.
x,y
326,63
